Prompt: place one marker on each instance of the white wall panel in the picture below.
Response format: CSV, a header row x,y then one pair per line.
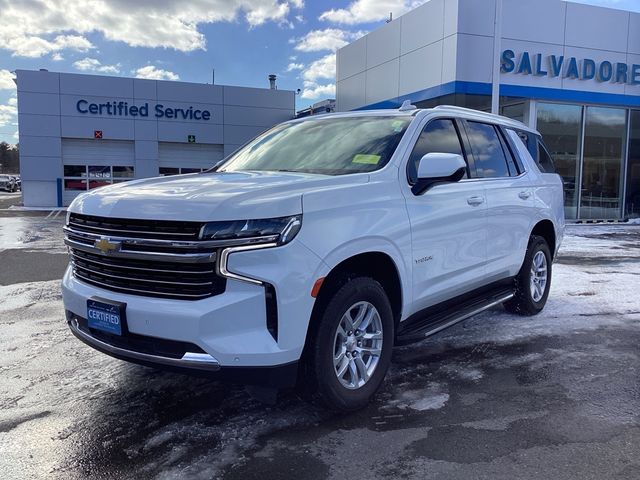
x,y
476,17
145,89
258,97
351,92
82,127
40,168
145,130
633,45
189,92
597,28
146,168
450,17
383,44
423,26
260,117
145,150
39,194
75,84
351,59
179,132
475,58
382,82
40,103
239,134
449,58
37,146
230,148
421,69
39,125
42,82
539,21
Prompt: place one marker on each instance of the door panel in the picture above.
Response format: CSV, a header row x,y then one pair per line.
x,y
510,208
449,232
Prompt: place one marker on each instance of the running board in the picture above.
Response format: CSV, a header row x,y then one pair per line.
x,y
437,319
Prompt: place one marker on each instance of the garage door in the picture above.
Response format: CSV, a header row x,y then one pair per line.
x,y
175,158
94,163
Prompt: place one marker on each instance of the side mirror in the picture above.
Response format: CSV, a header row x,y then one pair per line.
x,y
435,168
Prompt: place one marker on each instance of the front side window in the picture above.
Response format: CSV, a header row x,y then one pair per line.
x,y
330,146
488,155
439,136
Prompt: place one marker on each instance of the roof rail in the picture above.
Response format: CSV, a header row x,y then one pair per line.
x,y
472,111
406,106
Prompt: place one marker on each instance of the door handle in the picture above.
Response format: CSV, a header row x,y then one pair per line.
x,y
475,200
524,195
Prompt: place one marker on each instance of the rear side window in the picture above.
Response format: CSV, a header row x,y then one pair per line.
x,y
488,154
544,160
439,136
511,162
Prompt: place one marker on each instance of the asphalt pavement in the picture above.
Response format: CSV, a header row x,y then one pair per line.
x,y
554,396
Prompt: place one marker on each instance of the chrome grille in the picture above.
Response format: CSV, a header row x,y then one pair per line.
x,y
163,261
166,230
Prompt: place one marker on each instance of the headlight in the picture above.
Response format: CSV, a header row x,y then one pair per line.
x,y
281,230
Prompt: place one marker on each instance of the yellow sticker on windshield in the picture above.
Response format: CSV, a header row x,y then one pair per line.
x,y
398,125
366,159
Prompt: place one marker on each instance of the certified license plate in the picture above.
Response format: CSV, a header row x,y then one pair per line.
x,y
106,316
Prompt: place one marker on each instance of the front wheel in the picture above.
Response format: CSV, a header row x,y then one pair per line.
x,y
353,343
534,279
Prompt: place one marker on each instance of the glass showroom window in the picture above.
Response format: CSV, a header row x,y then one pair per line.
x,y
561,127
632,208
75,177
604,145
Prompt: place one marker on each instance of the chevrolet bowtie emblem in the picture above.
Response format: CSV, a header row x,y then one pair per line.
x,y
106,246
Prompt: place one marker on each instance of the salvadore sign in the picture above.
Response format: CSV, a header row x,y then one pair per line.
x,y
123,109
541,65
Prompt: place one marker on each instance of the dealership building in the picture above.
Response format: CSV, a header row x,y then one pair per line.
x,y
79,132
570,70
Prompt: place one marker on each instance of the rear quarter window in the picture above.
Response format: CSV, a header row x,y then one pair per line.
x,y
538,151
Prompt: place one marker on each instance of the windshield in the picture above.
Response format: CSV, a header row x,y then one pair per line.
x,y
331,146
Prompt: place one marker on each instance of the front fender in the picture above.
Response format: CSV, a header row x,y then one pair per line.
x,y
370,217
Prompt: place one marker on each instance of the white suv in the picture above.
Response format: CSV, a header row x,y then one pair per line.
x,y
311,251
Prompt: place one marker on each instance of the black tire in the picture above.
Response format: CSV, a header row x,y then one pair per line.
x,y
328,387
523,302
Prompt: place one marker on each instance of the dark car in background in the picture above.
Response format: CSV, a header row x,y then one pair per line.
x,y
8,183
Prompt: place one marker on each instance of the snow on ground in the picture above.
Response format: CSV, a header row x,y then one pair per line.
x,y
32,233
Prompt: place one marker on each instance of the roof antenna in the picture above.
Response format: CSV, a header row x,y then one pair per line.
x,y
406,106
390,19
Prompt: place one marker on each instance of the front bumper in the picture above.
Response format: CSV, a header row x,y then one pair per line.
x,y
189,360
194,364
230,328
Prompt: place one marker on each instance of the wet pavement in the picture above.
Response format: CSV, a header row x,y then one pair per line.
x,y
556,396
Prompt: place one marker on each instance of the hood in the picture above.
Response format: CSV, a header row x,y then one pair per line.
x,y
208,196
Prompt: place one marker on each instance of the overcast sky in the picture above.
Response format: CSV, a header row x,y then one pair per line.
x,y
243,40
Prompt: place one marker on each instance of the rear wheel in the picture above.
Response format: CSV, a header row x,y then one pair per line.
x,y
534,279
352,344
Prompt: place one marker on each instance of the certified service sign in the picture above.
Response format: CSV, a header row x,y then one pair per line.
x,y
123,109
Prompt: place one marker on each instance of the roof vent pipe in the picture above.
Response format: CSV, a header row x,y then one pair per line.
x,y
272,82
